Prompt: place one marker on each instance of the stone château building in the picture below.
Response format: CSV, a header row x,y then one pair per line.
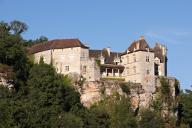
x,y
139,63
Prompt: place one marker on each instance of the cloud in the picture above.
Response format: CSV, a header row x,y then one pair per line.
x,y
170,36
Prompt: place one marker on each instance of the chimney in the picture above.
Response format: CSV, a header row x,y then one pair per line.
x,y
108,50
142,38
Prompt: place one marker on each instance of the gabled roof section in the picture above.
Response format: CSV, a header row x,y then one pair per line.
x,y
99,53
57,44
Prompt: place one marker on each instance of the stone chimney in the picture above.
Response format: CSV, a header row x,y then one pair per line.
x,y
108,50
142,38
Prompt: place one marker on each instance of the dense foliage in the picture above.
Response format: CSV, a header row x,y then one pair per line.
x,y
42,98
185,109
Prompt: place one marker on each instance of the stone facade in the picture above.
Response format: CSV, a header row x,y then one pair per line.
x,y
139,67
138,64
70,60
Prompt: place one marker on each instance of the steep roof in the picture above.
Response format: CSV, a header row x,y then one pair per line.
x,y
57,44
139,45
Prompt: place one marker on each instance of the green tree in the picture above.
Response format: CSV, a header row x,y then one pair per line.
x,y
12,53
96,118
119,109
42,102
185,108
151,119
18,27
67,120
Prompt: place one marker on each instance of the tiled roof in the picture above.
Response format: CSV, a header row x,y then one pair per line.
x,y
108,59
112,66
57,44
95,53
139,45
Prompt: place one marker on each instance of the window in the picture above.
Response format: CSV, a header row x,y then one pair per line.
x,y
84,69
148,72
147,58
67,68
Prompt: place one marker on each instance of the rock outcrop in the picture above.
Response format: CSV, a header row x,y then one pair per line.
x,y
140,95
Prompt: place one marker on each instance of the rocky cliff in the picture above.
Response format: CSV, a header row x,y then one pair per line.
x,y
141,96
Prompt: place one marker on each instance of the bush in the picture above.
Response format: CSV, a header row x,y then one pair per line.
x,y
150,119
125,88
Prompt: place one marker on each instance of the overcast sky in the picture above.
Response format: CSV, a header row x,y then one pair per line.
x,y
114,23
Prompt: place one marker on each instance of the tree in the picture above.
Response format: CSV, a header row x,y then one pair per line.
x,y
185,108
50,94
119,109
67,120
12,52
18,27
47,101
151,119
96,118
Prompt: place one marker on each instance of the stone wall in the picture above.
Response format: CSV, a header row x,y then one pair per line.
x,y
71,61
137,69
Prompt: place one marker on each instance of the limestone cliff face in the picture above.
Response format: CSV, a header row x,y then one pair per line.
x,y
141,96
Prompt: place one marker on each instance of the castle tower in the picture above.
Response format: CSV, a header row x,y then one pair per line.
x,y
161,54
139,63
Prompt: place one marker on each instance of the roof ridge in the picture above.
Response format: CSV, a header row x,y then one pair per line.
x,y
57,44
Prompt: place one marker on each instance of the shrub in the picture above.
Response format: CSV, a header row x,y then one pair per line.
x,y
125,88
